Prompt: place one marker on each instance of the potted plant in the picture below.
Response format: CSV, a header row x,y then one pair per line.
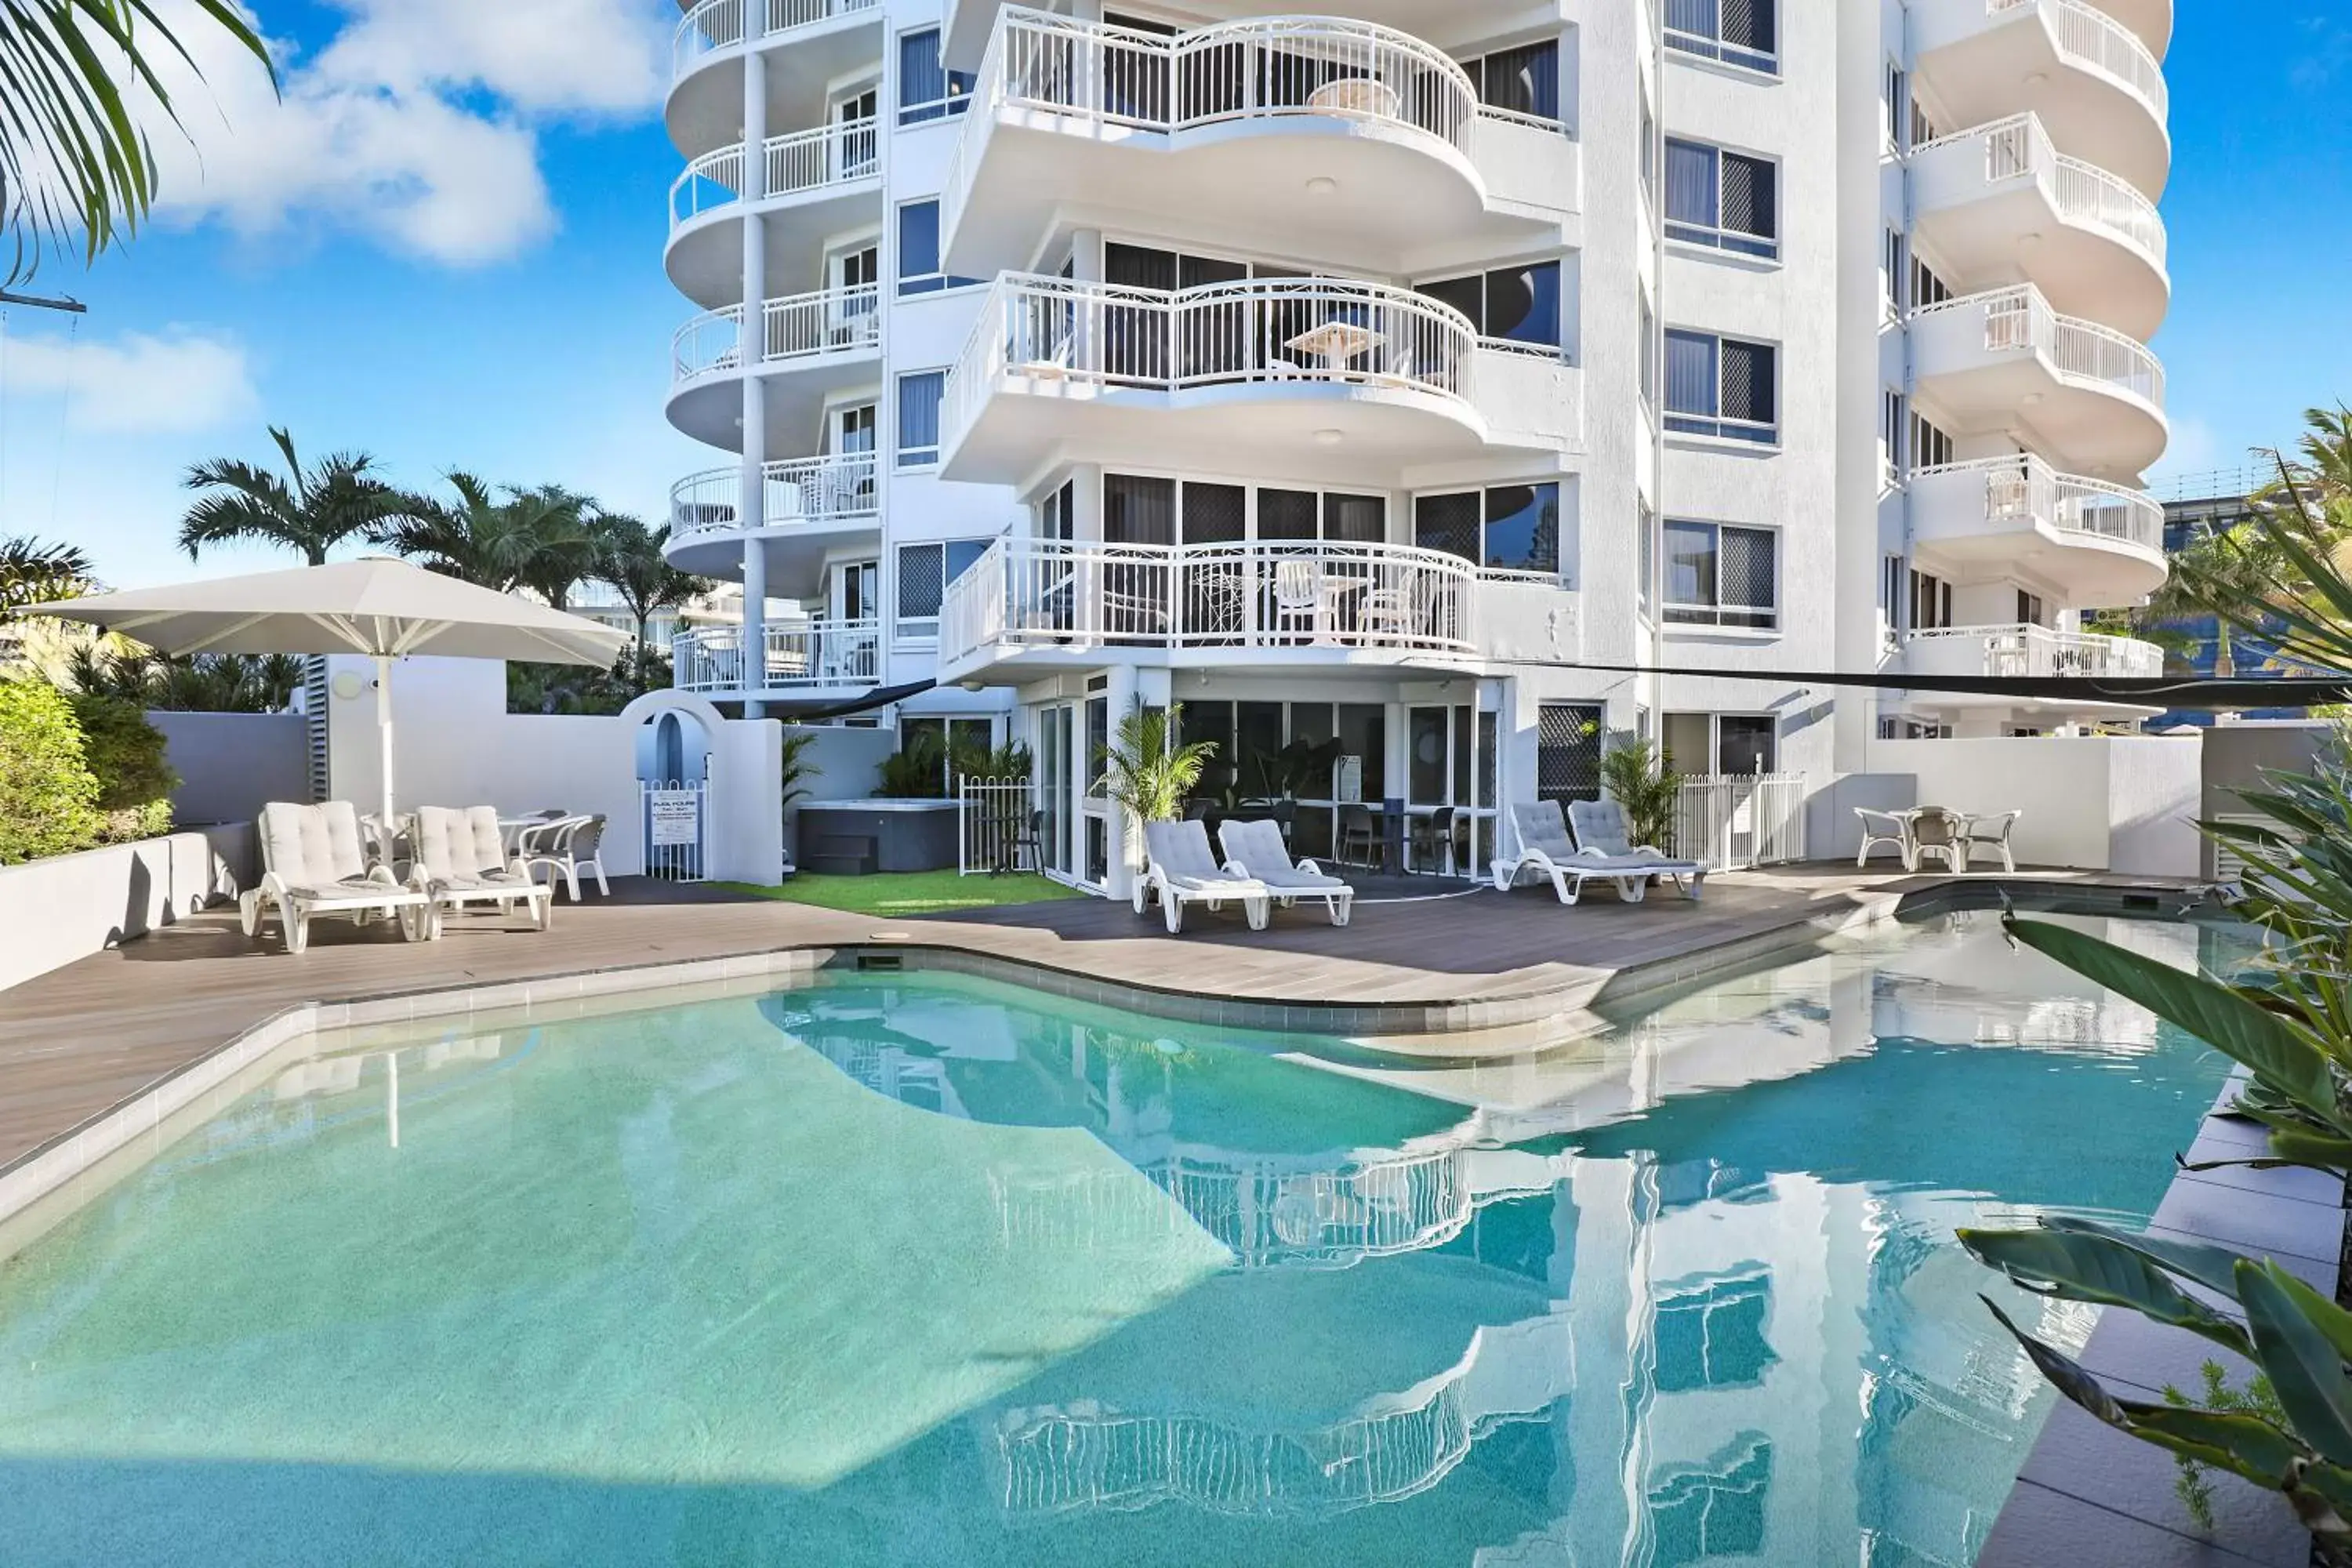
x,y
1146,773
1640,776
799,769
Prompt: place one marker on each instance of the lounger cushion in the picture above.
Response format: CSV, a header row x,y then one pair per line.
x,y
1542,830
1258,847
459,846
1180,850
312,845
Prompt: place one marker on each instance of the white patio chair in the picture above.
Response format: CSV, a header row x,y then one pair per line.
x,y
1936,830
1179,870
1602,830
1988,833
1298,598
461,860
315,861
1548,853
1889,827
569,845
1256,850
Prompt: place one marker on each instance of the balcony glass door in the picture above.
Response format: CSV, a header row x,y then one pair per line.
x,y
857,150
1057,774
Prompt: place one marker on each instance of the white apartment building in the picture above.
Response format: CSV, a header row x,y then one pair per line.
x,y
1406,375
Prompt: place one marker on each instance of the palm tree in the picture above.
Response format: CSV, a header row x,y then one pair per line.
x,y
632,563
73,161
1143,768
34,570
544,539
337,500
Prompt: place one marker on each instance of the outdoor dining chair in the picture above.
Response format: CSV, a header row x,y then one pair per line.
x,y
1989,834
1939,832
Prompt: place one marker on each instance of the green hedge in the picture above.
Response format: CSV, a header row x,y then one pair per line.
x,y
126,753
48,796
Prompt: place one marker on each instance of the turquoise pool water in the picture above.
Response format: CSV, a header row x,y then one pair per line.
x,y
923,1270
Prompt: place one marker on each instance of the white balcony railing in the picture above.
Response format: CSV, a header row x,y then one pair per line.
x,y
1045,593
2089,39
831,321
2024,489
2032,651
716,25
815,491
2020,319
1287,329
816,654
838,154
2019,148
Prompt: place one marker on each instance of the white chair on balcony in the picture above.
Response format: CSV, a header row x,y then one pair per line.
x,y
1298,598
1398,615
1256,850
1180,868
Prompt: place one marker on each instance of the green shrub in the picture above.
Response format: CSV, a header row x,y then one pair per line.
x,y
48,796
125,753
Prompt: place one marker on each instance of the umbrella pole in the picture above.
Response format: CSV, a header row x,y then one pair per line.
x,y
384,741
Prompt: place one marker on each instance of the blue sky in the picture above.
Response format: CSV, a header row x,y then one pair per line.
x,y
445,249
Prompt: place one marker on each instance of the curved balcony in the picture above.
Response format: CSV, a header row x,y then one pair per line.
x,y
968,24
1034,602
809,345
2102,542
2093,85
1341,136
2026,651
812,659
811,184
801,45
1992,362
1265,368
2000,204
809,507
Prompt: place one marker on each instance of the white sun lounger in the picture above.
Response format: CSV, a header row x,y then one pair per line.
x,y
1602,829
1256,849
461,859
1181,869
314,862
1547,854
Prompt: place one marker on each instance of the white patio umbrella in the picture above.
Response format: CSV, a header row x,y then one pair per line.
x,y
382,608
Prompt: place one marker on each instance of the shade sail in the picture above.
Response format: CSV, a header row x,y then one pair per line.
x,y
384,609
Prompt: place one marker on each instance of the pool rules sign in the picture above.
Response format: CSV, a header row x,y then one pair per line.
x,y
674,817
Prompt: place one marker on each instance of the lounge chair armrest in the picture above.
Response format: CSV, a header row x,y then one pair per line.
x,y
1235,869
1653,850
1310,868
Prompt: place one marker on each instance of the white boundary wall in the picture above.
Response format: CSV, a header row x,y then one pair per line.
x,y
2103,802
56,910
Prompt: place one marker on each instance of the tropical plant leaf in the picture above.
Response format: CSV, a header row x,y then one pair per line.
x,y
2305,1369
2207,1009
2215,1268
2101,1270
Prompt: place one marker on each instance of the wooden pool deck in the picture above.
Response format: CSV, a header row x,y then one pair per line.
x,y
81,1040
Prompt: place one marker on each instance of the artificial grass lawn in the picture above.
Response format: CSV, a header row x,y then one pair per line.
x,y
912,892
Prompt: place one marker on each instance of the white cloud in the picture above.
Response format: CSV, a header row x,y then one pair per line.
x,y
415,125
177,383
540,55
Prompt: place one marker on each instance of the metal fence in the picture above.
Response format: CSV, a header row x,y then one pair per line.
x,y
1732,822
675,817
993,831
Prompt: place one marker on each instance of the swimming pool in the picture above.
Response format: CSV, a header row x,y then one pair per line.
x,y
924,1269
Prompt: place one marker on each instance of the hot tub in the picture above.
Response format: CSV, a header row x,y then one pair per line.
x,y
857,838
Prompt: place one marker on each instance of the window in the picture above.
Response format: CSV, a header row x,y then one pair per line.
x,y
1726,201
1737,32
1139,509
1568,751
1514,307
1721,387
1713,1336
1898,106
1525,80
918,251
1746,743
1930,446
1895,272
1894,430
1893,579
1511,528
925,92
1927,288
1720,575
2029,609
924,572
918,417
1057,513
1645,591
1306,514
1931,603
